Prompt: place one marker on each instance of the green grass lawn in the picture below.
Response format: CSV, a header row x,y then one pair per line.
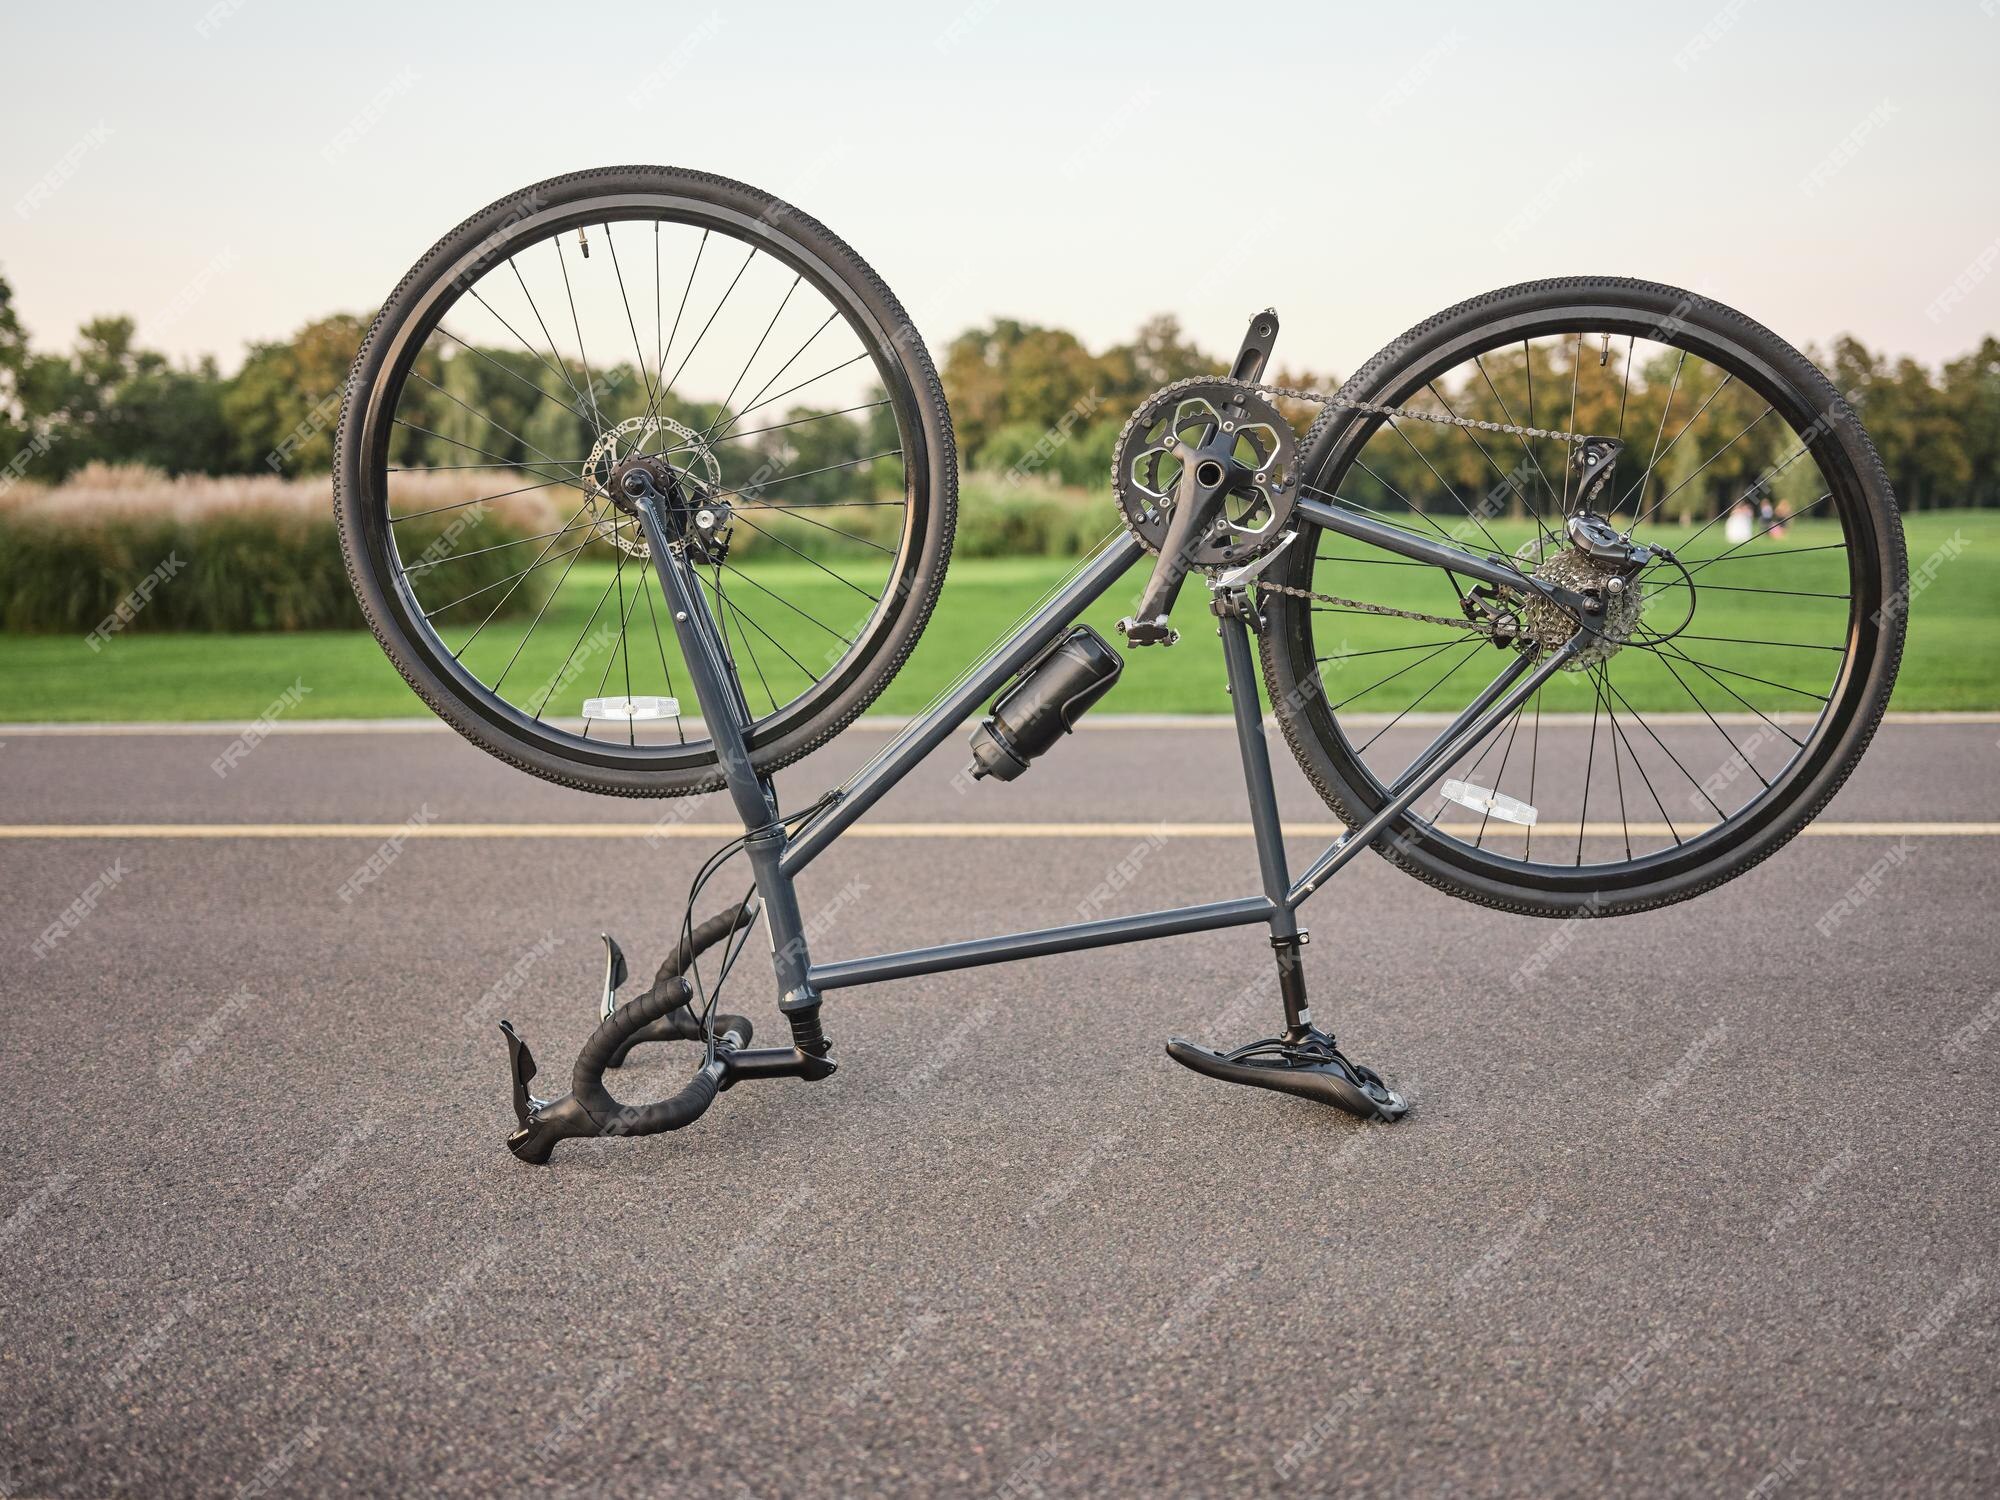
x,y
1951,661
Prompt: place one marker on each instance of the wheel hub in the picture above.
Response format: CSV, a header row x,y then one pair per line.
x,y
640,452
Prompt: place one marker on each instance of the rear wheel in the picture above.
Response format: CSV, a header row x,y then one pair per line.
x,y
1762,645
642,316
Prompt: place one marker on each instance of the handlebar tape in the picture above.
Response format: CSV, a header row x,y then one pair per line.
x,y
669,1000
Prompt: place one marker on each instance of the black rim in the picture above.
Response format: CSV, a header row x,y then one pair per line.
x,y
1658,793
668,293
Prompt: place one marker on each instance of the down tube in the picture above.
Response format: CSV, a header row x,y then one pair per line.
x,y
925,734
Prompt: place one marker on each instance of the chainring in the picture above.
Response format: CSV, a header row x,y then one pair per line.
x,y
1151,453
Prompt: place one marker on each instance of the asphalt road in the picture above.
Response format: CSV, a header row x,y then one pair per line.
x,y
1704,1204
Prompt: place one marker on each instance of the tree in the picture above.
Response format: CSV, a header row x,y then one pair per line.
x,y
282,406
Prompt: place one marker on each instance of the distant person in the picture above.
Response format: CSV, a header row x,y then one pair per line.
x,y
1742,521
1782,518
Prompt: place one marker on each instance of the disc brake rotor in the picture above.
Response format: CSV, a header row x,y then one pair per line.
x,y
678,445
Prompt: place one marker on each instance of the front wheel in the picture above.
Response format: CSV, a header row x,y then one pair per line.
x,y
1762,641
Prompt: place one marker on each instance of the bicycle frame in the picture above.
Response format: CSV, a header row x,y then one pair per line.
x,y
1305,1060
777,858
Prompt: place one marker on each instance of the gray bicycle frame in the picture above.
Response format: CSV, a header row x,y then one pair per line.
x,y
777,858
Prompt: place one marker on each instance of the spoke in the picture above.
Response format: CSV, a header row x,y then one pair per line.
x,y
588,393
749,646
556,676
1575,374
808,473
1742,640
1660,503
1506,479
481,500
1447,487
1528,360
874,598
1387,650
818,416
533,625
442,468
1589,764
1747,677
776,376
660,641
798,514
1625,392
625,610
624,641
1737,696
1637,764
1629,709
726,294
525,468
432,614
1739,588
745,371
1775,524
1695,564
519,541
751,621
1729,740
1452,672
583,353
525,444
512,373
547,547
1665,412
755,406
1617,764
1500,776
747,578
556,368
1686,427
638,354
1407,667
660,381
1534,761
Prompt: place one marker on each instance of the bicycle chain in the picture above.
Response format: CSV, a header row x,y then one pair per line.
x,y
1380,409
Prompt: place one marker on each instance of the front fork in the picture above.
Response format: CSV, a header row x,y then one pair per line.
x,y
727,717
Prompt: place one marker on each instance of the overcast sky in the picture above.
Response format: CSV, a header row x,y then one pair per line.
x,y
226,171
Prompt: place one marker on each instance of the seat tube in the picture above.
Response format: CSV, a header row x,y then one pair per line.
x,y
1231,608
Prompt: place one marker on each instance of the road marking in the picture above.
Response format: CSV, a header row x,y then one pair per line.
x,y
1823,829
225,729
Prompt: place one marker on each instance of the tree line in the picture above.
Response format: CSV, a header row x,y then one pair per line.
x,y
1028,402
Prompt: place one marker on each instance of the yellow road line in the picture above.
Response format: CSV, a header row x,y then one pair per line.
x,y
716,831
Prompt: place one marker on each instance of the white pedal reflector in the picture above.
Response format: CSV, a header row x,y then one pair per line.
x,y
632,708
1493,804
